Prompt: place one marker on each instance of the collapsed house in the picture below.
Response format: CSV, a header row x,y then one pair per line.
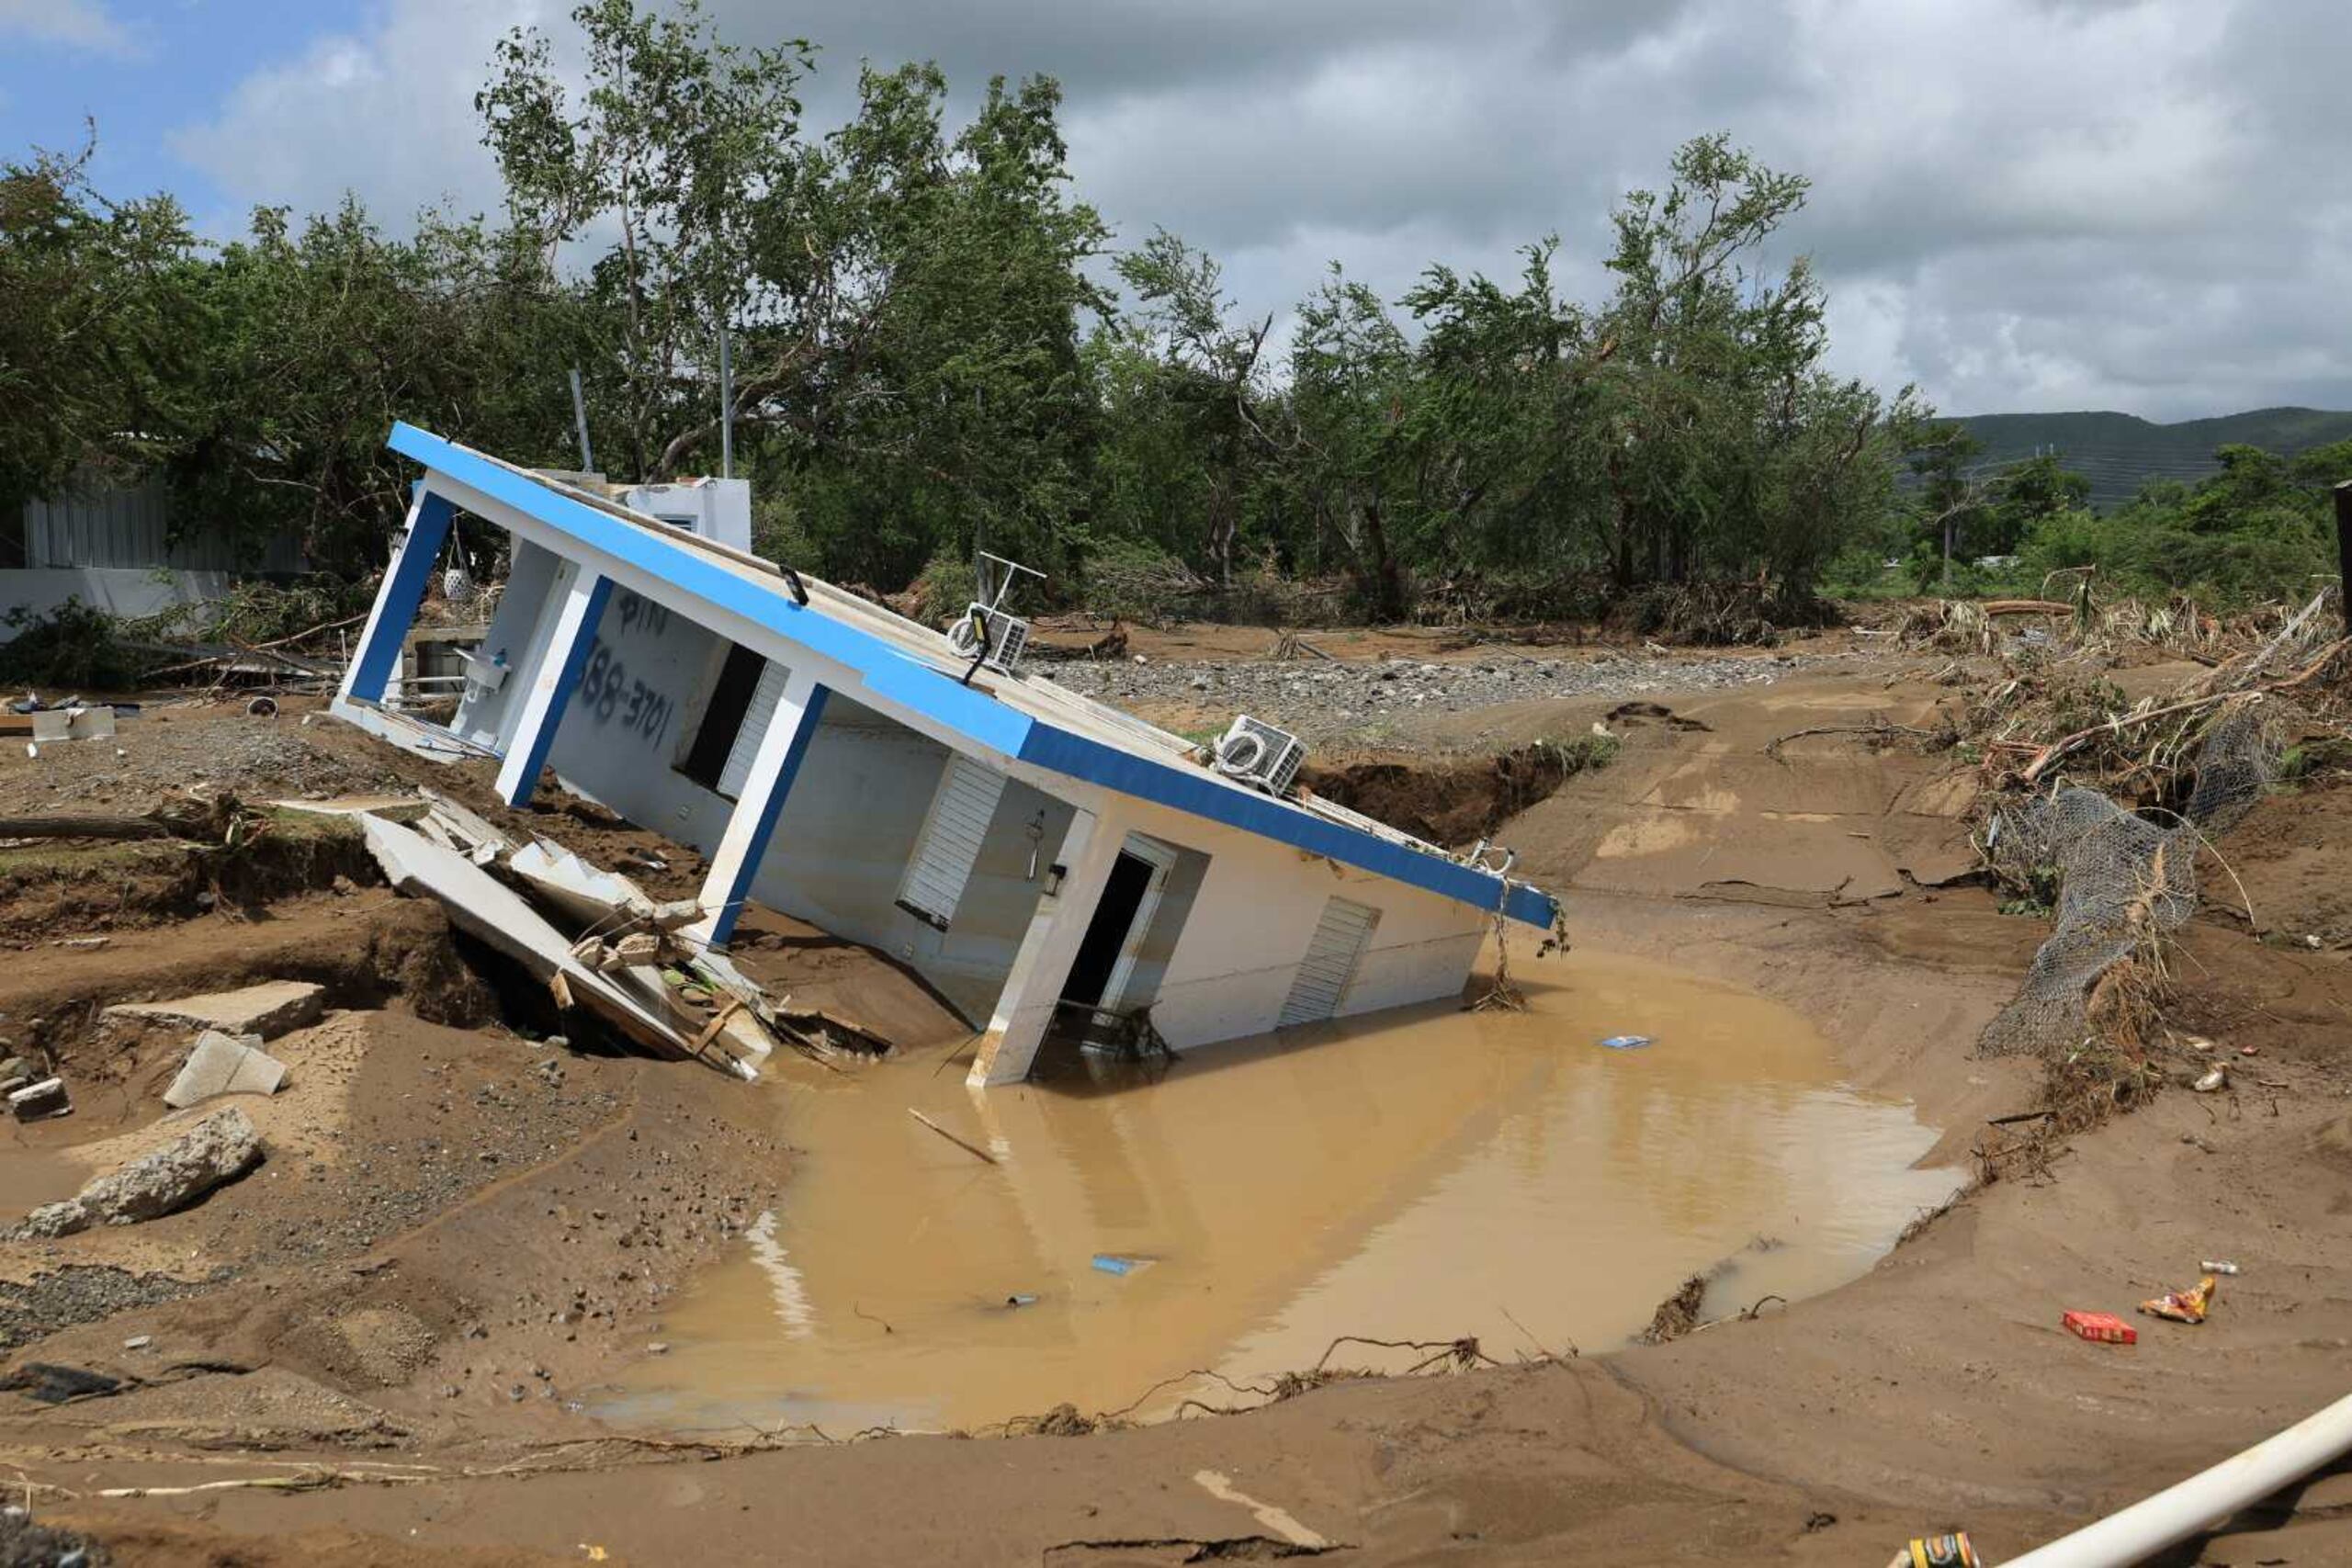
x,y
1050,865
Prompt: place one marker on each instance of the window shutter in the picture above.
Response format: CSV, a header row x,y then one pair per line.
x,y
1330,962
755,730
950,844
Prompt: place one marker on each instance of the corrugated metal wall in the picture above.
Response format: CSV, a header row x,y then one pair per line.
x,y
132,527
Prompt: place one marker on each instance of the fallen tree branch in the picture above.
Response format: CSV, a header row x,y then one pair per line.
x,y
973,1149
205,821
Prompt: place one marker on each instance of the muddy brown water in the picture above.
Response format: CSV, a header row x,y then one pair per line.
x,y
1420,1176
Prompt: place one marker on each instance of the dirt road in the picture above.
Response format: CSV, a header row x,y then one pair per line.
x,y
391,1306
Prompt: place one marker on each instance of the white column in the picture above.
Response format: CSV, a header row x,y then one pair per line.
x,y
744,844
580,596
1026,1007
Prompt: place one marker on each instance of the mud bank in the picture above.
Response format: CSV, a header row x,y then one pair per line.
x,y
1935,1390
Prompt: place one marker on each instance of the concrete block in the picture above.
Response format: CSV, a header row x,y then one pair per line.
x,y
268,1010
37,1101
220,1065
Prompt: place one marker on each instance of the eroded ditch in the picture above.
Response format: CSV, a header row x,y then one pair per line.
x,y
1426,1176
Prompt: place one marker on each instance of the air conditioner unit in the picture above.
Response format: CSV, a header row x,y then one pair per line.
x,y
1008,637
1260,754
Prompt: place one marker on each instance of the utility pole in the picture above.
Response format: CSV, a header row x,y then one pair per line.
x,y
725,406
579,420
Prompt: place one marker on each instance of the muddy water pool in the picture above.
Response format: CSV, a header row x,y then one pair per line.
x,y
1420,1176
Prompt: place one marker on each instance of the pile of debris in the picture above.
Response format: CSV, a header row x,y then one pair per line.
x,y
2116,855
632,963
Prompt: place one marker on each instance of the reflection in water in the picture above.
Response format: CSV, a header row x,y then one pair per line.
x,y
1422,1175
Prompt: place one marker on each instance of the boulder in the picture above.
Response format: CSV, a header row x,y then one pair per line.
x,y
219,1149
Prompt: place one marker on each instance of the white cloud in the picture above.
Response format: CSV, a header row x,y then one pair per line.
x,y
386,112
84,24
2018,203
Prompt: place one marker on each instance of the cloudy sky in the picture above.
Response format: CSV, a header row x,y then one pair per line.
x,y
2018,204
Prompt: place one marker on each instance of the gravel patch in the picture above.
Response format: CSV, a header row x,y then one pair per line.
x,y
1327,702
79,1293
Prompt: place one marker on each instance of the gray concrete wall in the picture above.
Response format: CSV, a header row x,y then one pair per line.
x,y
117,591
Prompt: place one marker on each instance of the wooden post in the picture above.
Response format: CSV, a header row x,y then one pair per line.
x,y
2343,549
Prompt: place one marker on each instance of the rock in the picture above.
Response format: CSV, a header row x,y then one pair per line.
x,y
217,1149
38,1101
267,1010
139,1342
221,1065
53,1385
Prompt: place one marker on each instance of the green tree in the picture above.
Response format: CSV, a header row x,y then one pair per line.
x,y
679,149
91,335
1184,377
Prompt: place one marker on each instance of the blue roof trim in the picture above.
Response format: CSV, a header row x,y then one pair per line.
x,y
886,671
1191,790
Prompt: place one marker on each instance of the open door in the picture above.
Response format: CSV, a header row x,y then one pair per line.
x,y
1106,955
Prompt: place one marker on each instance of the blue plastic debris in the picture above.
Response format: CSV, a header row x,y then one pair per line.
x,y
1625,1041
1113,1263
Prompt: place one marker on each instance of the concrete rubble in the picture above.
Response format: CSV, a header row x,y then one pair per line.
x,y
219,1149
220,1065
39,1101
268,1010
633,1000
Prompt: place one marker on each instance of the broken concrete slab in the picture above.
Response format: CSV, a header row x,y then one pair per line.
x,y
268,1010
499,916
220,1065
592,895
392,808
219,1149
471,834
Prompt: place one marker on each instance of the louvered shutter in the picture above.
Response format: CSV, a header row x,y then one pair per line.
x,y
950,839
755,730
1331,962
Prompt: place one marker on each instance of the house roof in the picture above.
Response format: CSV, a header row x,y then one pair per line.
x,y
1024,716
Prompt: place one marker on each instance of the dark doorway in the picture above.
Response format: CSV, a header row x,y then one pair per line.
x,y
730,703
1106,934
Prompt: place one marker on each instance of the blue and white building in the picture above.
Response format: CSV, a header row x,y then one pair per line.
x,y
1032,854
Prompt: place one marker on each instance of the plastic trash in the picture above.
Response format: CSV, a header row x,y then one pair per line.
x,y
1020,1299
2219,1266
2183,1306
1950,1549
1625,1041
2100,1327
1115,1263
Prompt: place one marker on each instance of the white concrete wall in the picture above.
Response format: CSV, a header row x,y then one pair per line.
x,y
849,824
517,628
1249,923
849,827
117,591
632,719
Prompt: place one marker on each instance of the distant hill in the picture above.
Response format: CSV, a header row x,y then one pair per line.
x,y
2120,452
